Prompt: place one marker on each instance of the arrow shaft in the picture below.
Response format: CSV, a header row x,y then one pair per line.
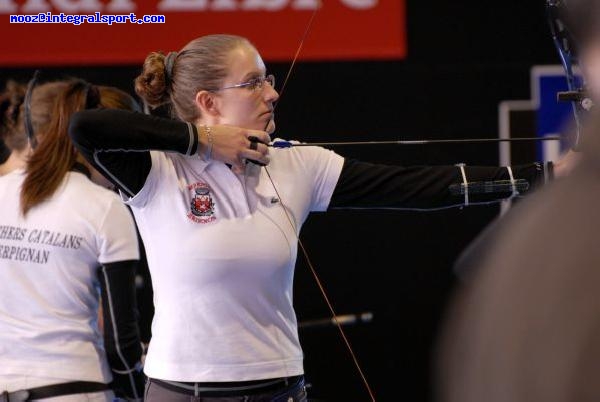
x,y
286,144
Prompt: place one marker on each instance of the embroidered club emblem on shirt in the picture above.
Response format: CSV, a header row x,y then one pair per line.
x,y
202,206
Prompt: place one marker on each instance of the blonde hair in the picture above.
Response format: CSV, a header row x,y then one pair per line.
x,y
201,65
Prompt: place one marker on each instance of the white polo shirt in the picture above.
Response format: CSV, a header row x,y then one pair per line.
x,y
221,254
48,280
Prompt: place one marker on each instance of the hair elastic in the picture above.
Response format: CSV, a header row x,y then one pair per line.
x,y
169,63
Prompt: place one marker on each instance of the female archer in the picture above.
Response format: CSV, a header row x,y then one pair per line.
x,y
221,234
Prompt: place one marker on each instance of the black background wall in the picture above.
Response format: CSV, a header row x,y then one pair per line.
x,y
464,58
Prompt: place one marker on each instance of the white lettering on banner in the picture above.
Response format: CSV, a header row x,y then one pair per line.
x,y
67,6
356,4
182,5
224,5
74,6
269,5
36,6
306,4
231,5
121,5
7,6
360,4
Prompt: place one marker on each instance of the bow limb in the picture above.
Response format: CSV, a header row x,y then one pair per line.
x,y
564,45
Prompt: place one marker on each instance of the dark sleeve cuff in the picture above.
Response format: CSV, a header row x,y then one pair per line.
x,y
119,307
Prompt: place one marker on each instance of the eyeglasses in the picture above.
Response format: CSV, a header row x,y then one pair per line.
x,y
254,84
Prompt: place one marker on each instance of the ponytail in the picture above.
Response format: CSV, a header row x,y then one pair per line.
x,y
55,155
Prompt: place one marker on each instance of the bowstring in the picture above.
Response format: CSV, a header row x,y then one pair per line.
x,y
289,219
295,59
323,291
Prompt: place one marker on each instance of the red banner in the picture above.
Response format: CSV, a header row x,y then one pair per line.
x,y
123,31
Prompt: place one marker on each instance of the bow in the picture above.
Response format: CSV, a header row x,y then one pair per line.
x,y
566,56
334,316
564,43
575,94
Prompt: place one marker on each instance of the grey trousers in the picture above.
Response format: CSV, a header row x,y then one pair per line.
x,y
295,392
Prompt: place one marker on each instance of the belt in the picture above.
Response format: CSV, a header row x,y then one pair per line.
x,y
49,391
227,389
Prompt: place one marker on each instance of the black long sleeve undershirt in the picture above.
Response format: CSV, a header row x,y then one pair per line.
x,y
367,185
120,314
117,142
121,334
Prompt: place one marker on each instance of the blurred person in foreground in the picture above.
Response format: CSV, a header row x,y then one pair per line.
x,y
526,324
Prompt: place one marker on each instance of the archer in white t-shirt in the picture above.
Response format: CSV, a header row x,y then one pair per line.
x,y
65,244
220,234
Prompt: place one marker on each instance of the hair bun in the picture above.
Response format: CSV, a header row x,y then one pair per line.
x,y
152,84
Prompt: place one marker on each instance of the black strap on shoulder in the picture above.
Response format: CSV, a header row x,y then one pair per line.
x,y
27,106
